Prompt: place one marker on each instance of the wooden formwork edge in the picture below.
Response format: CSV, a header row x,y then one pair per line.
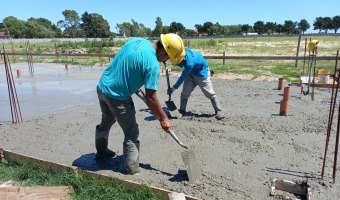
x,y
291,187
8,155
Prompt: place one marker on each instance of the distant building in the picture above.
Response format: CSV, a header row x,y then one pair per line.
x,y
4,33
197,34
250,34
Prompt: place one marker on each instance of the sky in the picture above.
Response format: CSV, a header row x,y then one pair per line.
x,y
186,12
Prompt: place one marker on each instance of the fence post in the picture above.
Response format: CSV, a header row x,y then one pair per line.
x,y
298,49
12,45
56,51
223,57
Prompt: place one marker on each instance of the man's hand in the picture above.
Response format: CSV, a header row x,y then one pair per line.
x,y
166,125
171,90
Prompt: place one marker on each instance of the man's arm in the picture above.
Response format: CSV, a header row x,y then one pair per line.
x,y
184,75
153,102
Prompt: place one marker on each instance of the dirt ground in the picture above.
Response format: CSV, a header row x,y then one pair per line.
x,y
239,155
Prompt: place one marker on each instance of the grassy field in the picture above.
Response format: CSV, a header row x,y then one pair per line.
x,y
29,175
241,46
266,46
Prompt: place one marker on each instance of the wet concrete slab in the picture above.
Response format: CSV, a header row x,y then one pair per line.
x,y
50,89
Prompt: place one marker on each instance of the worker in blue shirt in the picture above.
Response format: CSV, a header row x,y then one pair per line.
x,y
196,73
136,64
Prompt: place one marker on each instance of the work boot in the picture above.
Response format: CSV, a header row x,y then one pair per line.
x,y
219,116
131,157
183,104
217,107
101,142
183,112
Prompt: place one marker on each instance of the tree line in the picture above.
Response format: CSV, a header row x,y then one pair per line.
x,y
93,25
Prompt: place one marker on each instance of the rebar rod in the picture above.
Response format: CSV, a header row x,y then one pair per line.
x,y
336,147
337,135
331,114
15,95
8,86
13,98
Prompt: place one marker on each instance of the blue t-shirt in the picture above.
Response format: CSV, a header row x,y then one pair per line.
x,y
193,63
134,65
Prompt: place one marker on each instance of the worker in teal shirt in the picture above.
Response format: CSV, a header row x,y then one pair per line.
x,y
196,73
121,82
135,65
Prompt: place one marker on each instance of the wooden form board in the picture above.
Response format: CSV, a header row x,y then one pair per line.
x,y
318,85
291,187
129,185
305,79
36,193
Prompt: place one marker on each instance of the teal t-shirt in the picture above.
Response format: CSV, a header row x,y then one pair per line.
x,y
134,65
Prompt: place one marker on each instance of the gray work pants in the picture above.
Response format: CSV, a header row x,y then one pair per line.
x,y
122,111
192,81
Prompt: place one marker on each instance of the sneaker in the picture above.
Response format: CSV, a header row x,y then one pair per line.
x,y
107,154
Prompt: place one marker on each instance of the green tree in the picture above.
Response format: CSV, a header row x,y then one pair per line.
x,y
16,27
327,24
318,24
57,30
36,30
94,25
144,31
303,25
230,30
42,21
220,29
133,29
2,25
44,27
270,28
124,29
279,28
189,32
215,29
158,28
246,28
176,27
207,27
199,28
71,23
289,27
259,27
166,29
336,25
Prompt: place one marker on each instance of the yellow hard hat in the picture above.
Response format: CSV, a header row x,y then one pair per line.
x,y
312,44
174,47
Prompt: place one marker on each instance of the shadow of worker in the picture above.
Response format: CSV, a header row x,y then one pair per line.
x,y
87,162
115,164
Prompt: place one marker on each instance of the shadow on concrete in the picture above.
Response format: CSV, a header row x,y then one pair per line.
x,y
116,164
87,162
292,173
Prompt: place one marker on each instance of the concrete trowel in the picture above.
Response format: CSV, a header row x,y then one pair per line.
x,y
190,162
189,159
